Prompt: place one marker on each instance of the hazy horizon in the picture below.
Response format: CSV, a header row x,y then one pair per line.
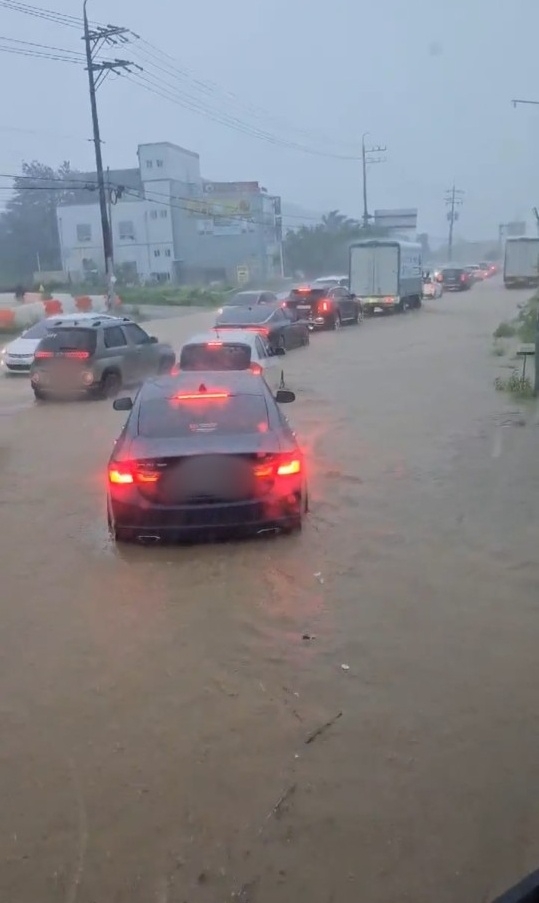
x,y
435,90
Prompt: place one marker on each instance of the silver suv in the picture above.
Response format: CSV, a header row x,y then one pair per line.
x,y
96,359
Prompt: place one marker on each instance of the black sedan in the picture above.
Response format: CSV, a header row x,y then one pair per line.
x,y
280,328
205,454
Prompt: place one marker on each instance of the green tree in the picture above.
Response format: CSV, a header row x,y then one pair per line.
x,y
324,248
29,227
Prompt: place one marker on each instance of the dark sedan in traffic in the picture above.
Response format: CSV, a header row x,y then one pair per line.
x,y
205,454
276,323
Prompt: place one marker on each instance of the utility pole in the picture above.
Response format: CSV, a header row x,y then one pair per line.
x,y
367,158
453,199
94,40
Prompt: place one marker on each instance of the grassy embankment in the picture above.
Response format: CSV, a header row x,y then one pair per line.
x,y
521,329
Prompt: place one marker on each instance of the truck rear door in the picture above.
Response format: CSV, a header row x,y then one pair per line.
x,y
386,271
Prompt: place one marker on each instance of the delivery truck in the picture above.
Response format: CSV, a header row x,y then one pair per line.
x,y
521,262
386,274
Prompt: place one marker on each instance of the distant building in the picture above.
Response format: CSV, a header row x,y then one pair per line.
x,y
170,224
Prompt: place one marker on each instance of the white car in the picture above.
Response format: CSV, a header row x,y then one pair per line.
x,y
18,356
331,281
232,349
432,288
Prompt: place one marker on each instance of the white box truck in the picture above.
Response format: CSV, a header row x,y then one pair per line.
x,y
386,274
521,262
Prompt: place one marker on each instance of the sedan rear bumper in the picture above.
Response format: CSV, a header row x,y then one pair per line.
x,y
140,522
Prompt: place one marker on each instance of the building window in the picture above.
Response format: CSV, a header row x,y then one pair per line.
x,y
84,232
153,214
149,164
126,231
157,253
163,214
160,164
168,253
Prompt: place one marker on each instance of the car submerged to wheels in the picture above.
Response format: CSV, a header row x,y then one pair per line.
x,y
96,360
205,455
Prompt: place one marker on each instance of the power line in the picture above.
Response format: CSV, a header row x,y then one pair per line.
x,y
159,60
166,64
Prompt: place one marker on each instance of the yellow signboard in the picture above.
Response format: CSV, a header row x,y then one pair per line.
x,y
217,208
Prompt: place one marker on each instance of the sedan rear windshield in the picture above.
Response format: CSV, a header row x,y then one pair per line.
x,y
215,356
74,339
170,418
244,299
450,273
231,316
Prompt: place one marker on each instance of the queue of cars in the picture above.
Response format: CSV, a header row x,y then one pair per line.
x,y
460,278
205,448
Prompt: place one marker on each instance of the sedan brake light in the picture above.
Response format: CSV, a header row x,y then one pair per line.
x,y
201,396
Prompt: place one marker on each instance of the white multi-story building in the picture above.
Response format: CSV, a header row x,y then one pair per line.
x,y
168,223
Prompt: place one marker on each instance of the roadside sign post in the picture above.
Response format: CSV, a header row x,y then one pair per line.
x,y
242,275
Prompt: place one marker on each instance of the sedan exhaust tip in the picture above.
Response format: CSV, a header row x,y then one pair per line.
x,y
267,531
148,539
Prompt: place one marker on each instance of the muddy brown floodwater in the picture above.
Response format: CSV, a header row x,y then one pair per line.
x,y
155,703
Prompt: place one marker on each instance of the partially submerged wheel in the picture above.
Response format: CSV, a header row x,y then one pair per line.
x,y
110,385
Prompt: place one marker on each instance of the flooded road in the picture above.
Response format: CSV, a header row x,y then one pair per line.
x,y
157,704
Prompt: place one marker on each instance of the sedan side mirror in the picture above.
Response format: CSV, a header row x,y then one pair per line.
x,y
279,351
154,340
284,396
123,404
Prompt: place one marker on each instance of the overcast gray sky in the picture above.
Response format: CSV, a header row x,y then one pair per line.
x,y
430,79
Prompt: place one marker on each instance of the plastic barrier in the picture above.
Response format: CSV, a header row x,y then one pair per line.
x,y
21,316
53,308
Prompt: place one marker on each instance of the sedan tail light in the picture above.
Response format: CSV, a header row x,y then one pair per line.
x,y
281,466
126,473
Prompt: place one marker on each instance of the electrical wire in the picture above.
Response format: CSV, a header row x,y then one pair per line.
x,y
72,184
159,60
165,64
40,13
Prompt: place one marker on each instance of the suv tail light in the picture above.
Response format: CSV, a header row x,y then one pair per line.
x,y
324,306
256,369
70,355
